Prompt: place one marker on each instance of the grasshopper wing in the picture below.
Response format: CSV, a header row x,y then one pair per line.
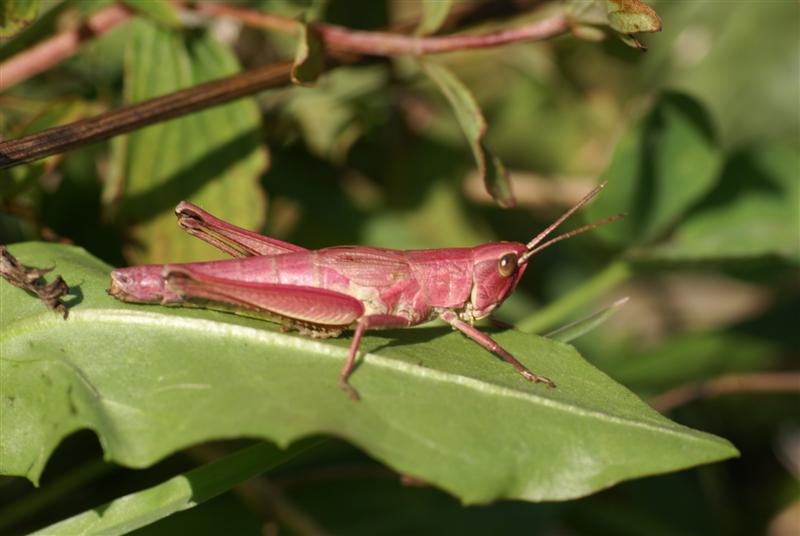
x,y
309,306
229,238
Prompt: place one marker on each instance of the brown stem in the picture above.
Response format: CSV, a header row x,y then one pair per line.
x,y
109,124
104,126
52,51
389,44
759,382
250,17
342,39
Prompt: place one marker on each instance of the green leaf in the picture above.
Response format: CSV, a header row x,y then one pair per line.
x,y
632,41
587,32
16,15
160,11
309,58
692,358
43,25
629,17
212,158
573,330
21,180
753,212
179,493
473,124
662,165
626,17
632,16
150,380
434,13
752,100
332,115
579,297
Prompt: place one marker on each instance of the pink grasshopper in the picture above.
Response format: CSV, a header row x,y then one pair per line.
x,y
324,292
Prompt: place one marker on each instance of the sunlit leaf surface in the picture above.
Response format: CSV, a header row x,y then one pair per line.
x,y
150,380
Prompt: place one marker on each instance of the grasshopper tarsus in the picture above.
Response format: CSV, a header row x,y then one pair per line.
x,y
535,378
349,389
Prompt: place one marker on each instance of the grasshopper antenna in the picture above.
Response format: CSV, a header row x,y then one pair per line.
x,y
532,245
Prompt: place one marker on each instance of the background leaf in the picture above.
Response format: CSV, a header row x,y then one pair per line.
x,y
125,514
694,357
573,330
632,16
473,124
662,165
753,212
333,113
151,380
16,15
36,29
159,166
434,13
695,55
626,17
160,11
309,58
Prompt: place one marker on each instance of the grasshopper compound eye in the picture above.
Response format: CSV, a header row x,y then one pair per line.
x,y
507,264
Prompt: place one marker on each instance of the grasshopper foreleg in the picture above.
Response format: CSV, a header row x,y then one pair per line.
x,y
487,342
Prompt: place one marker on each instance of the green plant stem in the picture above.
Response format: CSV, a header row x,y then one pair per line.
x,y
559,311
147,506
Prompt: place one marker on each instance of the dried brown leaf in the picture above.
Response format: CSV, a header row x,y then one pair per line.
x,y
31,279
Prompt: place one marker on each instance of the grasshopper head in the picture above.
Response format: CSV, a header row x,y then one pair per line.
x,y
495,274
498,267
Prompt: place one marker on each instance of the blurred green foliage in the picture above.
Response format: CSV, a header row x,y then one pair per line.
x,y
699,139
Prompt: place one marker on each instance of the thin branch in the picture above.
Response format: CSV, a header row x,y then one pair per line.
x,y
759,382
126,119
367,43
129,118
389,44
52,51
250,17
